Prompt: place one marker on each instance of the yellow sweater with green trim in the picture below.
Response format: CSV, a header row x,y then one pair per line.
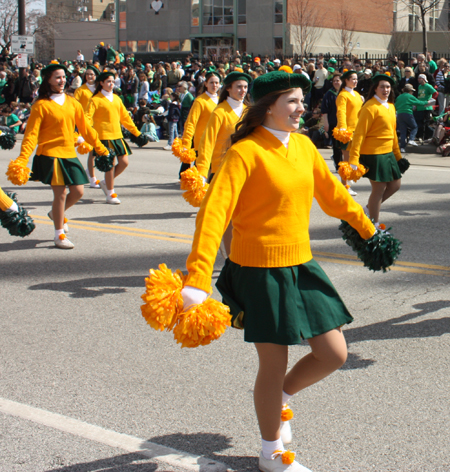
x,y
267,191
83,95
376,131
197,120
216,138
5,201
348,107
106,117
51,127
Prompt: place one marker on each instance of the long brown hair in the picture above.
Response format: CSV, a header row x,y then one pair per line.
x,y
255,115
373,87
224,94
45,90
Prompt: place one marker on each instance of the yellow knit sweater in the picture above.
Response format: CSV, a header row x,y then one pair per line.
x,y
106,117
83,95
5,201
51,127
348,107
267,191
216,138
197,120
376,131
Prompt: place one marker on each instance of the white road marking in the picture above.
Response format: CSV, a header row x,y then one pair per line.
x,y
111,438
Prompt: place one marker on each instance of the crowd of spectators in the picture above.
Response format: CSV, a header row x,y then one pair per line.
x,y
159,95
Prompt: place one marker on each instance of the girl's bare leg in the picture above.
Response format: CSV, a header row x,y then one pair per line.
x,y
375,199
90,163
122,164
62,201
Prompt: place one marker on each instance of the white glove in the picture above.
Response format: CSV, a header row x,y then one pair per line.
x,y
354,167
80,140
13,207
192,296
205,180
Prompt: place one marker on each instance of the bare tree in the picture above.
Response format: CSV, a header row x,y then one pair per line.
x,y
9,19
423,7
345,36
303,16
399,42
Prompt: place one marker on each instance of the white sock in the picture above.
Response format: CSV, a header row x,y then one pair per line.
x,y
110,192
92,180
13,207
285,398
58,233
269,447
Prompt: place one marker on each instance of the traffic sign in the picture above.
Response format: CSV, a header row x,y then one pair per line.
x,y
22,60
22,44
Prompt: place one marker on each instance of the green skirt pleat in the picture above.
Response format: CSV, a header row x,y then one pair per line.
x,y
382,167
281,305
72,170
120,146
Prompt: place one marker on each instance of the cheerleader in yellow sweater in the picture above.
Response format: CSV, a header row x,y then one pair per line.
x,y
107,113
83,94
348,104
50,126
200,113
274,288
375,144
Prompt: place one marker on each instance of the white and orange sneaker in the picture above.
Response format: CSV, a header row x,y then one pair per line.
x,y
285,427
61,242
281,461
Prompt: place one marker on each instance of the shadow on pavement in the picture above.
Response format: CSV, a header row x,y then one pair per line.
x,y
122,463
155,186
93,287
127,218
21,244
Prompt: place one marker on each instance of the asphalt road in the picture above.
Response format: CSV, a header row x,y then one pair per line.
x,y
85,382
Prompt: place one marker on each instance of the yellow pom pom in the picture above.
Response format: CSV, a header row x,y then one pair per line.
x,y
177,146
185,154
84,148
345,170
18,173
358,173
202,324
286,414
163,300
192,182
342,135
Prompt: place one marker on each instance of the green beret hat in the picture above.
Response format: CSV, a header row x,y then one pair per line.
x,y
104,75
271,64
347,73
331,70
212,73
94,70
278,81
376,78
332,61
233,76
54,66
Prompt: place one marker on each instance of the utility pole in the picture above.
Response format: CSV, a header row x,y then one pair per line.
x,y
22,28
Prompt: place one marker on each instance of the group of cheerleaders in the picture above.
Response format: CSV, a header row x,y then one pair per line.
x,y
263,176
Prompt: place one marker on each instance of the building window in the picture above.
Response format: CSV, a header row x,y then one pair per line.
x,y
434,17
185,45
163,46
123,46
123,20
242,12
278,11
174,46
142,46
217,12
132,46
278,45
413,17
152,45
195,12
242,44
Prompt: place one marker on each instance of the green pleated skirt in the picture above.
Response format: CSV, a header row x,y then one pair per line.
x,y
382,167
57,171
120,146
281,305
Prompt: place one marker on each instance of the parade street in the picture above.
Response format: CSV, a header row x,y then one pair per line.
x,y
86,384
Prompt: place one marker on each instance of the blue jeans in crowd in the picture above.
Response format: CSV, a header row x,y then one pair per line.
x,y
405,121
173,131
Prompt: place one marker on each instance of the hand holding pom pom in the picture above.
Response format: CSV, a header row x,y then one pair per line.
x,y
342,135
403,165
105,163
184,153
7,140
84,148
18,173
193,183
140,140
17,222
351,172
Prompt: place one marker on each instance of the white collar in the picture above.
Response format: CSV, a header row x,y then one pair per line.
x,y
214,98
349,90
236,105
108,95
282,136
59,98
91,87
383,102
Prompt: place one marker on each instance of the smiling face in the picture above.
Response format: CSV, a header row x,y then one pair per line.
x,y
57,81
108,84
352,81
383,89
238,90
285,113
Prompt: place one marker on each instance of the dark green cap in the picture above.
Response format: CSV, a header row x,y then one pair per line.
x,y
233,76
94,70
212,73
278,81
104,75
376,78
54,66
347,73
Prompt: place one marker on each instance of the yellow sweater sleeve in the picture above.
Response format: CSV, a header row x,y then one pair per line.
x,y
127,122
207,143
88,133
191,123
365,122
30,139
5,201
341,113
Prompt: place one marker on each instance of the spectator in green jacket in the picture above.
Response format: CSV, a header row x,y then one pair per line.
x,y
110,54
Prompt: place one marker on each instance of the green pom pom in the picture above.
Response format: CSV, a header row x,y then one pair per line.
x,y
18,223
139,140
7,140
126,134
403,165
377,253
104,163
